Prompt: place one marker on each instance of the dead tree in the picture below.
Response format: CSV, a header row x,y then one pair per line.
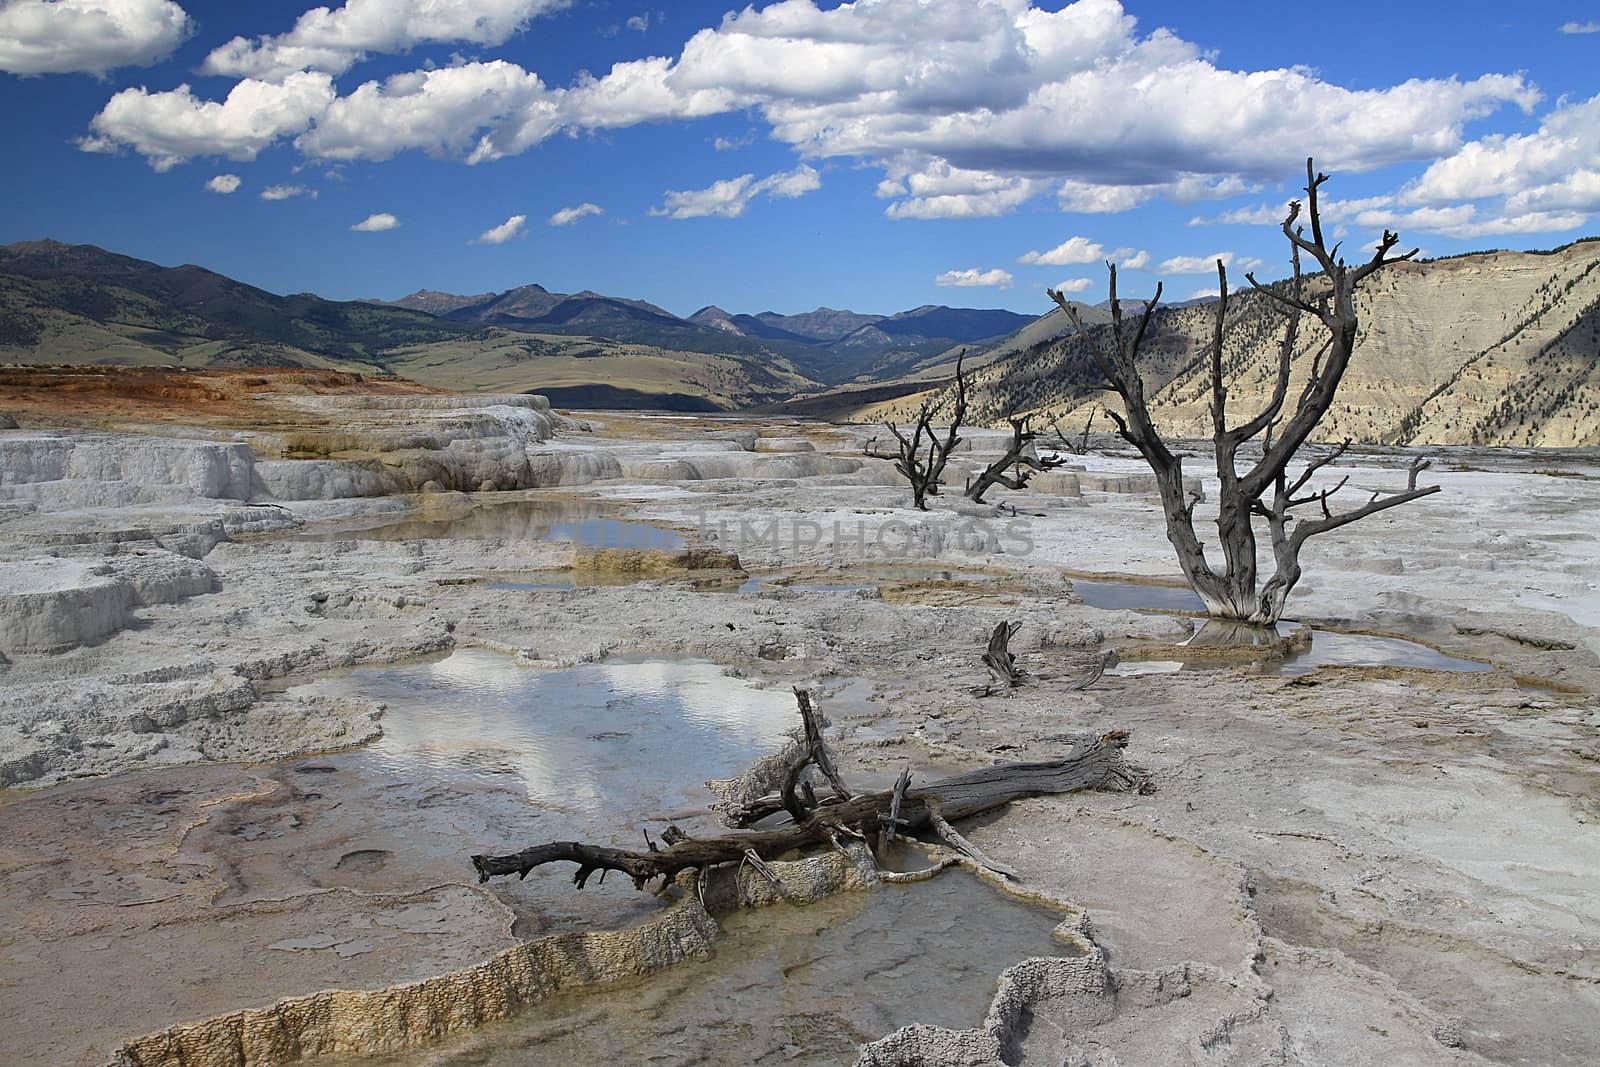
x,y
921,457
1092,763
1082,446
1266,488
1022,458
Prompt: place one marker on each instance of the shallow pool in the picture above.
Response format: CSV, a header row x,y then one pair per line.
x,y
1329,649
629,736
788,985
1110,594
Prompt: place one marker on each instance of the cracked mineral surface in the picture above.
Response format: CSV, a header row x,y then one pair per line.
x,y
214,851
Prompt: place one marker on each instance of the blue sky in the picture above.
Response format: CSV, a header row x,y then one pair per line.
x,y
877,155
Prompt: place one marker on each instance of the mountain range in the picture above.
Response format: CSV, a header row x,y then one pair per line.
x,y
63,303
827,345
1493,348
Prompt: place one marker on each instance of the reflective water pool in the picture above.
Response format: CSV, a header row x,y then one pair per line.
x,y
624,736
1329,649
1110,594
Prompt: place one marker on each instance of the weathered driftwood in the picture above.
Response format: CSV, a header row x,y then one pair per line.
x,y
999,658
1093,763
965,847
1093,668
889,826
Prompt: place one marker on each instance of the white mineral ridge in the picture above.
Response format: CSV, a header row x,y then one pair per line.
x,y
55,467
49,604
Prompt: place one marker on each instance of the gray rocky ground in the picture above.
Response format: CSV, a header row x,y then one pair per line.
x,y
1354,865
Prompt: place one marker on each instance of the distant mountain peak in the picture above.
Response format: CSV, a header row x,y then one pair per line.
x,y
434,302
717,319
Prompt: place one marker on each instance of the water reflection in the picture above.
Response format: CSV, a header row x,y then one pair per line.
x,y
1135,596
1330,649
1319,648
586,739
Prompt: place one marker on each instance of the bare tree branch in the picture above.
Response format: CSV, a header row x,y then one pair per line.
x,y
1022,457
1330,297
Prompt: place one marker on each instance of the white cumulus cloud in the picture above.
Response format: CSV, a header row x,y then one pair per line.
x,y
436,111
1071,251
224,184
569,215
335,39
1205,264
1019,95
1546,181
87,36
1074,285
168,128
971,108
1465,221
933,189
1098,198
723,199
791,184
376,223
728,198
286,192
972,277
1553,167
497,235
1581,27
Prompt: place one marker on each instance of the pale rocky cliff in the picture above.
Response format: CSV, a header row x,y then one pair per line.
x,y
1498,348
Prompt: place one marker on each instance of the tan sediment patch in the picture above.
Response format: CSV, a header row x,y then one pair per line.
x,y
952,592
1481,681
416,1014
1129,579
231,398
650,561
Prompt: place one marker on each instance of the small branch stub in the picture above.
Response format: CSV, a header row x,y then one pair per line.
x,y
1000,660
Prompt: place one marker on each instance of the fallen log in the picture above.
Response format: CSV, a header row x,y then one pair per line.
x,y
1092,763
